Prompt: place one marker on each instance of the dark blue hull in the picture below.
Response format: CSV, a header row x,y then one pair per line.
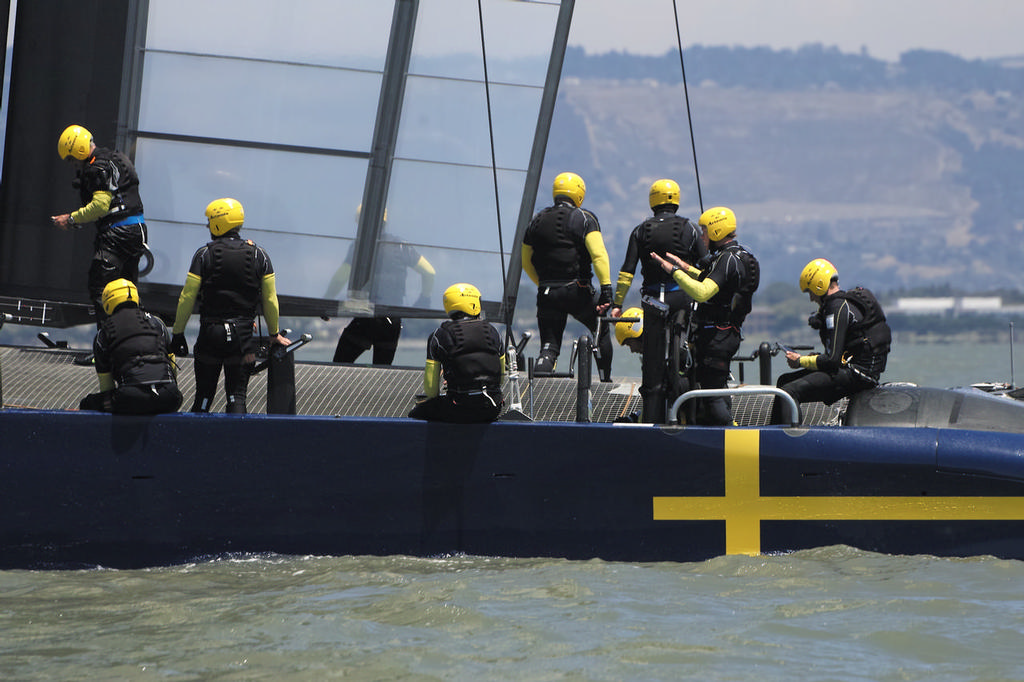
x,y
90,489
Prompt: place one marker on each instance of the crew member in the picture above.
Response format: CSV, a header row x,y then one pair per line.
x,y
109,190
630,333
662,233
381,332
724,292
561,245
468,351
136,374
230,276
855,336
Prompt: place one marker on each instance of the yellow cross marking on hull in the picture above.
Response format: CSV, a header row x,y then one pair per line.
x,y
743,508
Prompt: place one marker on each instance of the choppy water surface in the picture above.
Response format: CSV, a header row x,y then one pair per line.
x,y
827,614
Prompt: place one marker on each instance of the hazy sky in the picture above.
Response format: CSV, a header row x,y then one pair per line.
x,y
969,28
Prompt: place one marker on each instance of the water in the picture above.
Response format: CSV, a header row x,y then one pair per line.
x,y
832,613
827,614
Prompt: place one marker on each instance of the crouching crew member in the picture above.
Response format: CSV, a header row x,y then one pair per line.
x,y
855,336
468,350
136,374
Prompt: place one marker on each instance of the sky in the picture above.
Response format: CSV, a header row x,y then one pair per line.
x,y
972,29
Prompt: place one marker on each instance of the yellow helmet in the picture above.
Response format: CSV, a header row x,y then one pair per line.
x,y
462,297
720,222
664,191
817,276
224,215
75,142
117,292
569,185
629,330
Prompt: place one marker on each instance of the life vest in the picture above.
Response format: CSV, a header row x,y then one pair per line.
x,y
870,338
110,171
665,234
138,348
559,251
474,358
732,307
232,288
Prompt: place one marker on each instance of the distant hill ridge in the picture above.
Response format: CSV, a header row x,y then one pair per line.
x,y
906,174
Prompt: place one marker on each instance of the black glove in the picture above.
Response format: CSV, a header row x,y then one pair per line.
x,y
178,345
815,321
606,295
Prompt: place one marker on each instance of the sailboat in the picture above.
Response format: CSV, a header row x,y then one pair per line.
x,y
212,102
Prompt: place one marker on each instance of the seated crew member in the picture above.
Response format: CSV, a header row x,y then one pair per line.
x,y
468,350
663,232
724,292
854,333
381,332
562,251
136,374
231,276
630,335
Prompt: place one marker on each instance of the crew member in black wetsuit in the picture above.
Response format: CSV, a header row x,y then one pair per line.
x,y
724,292
561,244
230,277
664,232
631,335
394,258
109,189
855,336
468,351
136,374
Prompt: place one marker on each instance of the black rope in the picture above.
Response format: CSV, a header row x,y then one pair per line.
x,y
494,173
686,93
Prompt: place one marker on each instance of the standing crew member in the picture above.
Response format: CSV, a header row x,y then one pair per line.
x,y
664,232
230,276
109,189
855,336
561,244
631,335
381,332
468,350
136,374
724,292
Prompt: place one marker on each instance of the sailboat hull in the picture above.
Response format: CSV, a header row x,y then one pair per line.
x,y
81,489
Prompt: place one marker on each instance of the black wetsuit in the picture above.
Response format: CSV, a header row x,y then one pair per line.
x,y
131,345
856,339
664,232
232,271
383,332
121,233
718,323
558,236
469,350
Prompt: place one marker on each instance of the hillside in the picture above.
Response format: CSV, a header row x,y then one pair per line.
x,y
905,175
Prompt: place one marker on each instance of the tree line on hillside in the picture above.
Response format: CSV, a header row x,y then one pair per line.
x,y
809,67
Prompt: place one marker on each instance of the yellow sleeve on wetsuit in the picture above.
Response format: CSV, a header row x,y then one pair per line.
x,y
432,378
427,273
599,257
271,311
700,290
622,288
528,268
95,209
106,381
809,361
186,302
339,280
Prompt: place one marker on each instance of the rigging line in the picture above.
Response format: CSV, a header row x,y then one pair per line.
x,y
494,170
686,94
